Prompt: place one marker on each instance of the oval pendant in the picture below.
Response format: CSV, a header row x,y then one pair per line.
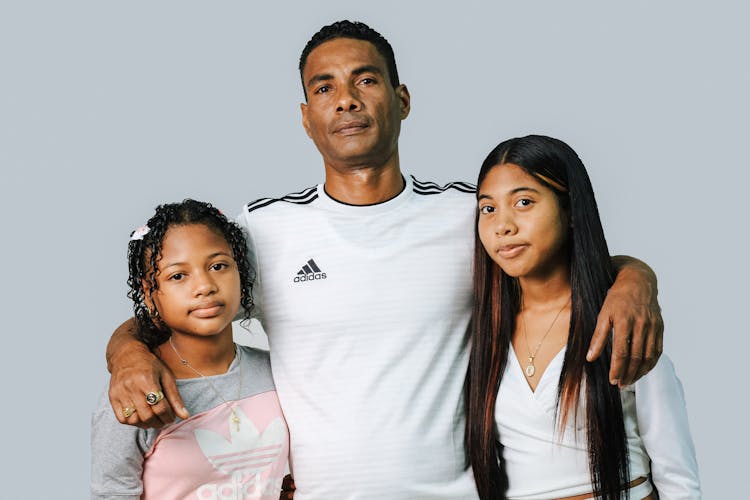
x,y
530,370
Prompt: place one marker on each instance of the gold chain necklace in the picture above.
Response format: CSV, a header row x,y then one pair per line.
x,y
235,418
530,369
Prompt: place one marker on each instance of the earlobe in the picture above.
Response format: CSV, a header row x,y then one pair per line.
x,y
404,100
150,306
305,123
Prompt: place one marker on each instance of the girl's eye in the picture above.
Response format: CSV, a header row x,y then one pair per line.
x,y
219,266
176,277
524,202
486,209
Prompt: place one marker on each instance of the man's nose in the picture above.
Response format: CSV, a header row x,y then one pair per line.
x,y
348,99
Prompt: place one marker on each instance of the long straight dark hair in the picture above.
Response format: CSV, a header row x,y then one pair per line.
x,y
497,298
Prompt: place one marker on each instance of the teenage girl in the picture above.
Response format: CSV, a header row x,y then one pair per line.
x,y
542,422
189,276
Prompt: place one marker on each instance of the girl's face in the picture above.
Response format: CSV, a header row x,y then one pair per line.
x,y
521,225
198,281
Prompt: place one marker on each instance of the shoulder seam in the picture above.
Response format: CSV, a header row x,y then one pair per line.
x,y
425,188
301,198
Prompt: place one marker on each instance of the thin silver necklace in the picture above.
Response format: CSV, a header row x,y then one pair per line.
x,y
235,418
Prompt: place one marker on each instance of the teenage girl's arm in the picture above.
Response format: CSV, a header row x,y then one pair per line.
x,y
117,456
632,313
665,432
134,369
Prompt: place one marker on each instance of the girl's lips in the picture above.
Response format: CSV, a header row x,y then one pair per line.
x,y
510,251
207,310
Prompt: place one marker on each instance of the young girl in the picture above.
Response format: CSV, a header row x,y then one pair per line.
x,y
189,276
542,422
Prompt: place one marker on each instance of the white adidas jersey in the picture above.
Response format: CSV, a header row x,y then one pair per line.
x,y
366,310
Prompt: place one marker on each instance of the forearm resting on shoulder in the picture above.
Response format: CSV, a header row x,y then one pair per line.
x,y
632,269
124,342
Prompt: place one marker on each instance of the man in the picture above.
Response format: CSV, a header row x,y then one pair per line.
x,y
363,286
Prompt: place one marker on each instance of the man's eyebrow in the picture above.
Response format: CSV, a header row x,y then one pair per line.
x,y
321,77
367,68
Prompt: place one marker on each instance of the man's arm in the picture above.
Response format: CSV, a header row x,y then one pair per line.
x,y
632,313
136,372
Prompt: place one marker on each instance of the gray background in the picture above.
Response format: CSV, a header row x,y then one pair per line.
x,y
108,108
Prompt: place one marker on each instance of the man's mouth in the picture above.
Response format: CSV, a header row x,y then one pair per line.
x,y
350,127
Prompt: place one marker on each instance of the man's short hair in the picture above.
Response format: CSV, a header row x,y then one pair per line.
x,y
357,31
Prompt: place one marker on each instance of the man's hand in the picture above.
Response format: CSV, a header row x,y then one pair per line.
x,y
135,373
287,488
632,313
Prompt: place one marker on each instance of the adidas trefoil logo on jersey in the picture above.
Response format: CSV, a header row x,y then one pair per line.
x,y
309,272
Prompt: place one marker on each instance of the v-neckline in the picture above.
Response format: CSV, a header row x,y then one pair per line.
x,y
517,362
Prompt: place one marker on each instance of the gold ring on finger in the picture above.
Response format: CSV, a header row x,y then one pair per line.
x,y
154,397
128,411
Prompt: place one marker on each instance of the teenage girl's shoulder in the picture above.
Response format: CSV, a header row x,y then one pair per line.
x,y
256,362
662,377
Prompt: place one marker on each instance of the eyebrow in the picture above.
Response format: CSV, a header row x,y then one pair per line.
x,y
212,256
367,68
323,77
511,192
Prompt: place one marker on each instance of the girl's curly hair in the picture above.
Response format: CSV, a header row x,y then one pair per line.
x,y
144,255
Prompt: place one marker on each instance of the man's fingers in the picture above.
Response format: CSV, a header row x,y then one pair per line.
x,y
147,416
173,398
621,339
637,339
287,488
123,411
600,336
652,347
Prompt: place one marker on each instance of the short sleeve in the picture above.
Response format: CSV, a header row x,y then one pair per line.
x,y
117,452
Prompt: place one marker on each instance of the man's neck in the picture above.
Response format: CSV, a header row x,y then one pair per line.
x,y
364,185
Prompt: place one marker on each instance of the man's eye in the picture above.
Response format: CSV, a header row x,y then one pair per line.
x,y
323,89
486,209
367,81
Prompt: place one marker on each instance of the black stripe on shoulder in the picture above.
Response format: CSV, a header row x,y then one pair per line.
x,y
302,198
421,187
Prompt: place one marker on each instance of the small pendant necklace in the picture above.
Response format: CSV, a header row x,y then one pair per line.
x,y
530,369
235,418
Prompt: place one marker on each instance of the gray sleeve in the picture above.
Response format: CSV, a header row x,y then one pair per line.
x,y
117,452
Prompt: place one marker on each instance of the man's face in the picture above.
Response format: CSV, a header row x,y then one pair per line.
x,y
352,114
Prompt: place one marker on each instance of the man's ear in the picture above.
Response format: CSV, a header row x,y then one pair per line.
x,y
404,99
305,122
